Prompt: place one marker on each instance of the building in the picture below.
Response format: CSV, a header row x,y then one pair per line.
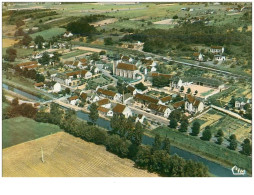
x,y
105,111
73,100
68,34
219,58
179,105
193,105
108,94
79,74
83,96
145,99
198,56
166,99
132,90
240,102
39,85
126,70
140,118
161,110
104,103
216,49
122,109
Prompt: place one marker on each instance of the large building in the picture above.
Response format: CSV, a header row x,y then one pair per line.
x,y
125,70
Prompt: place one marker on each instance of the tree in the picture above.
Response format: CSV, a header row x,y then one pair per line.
x,y
26,40
188,90
232,137
175,17
102,52
232,144
219,140
220,133
173,123
166,145
195,128
39,78
207,134
182,88
67,90
19,32
11,54
15,102
19,23
246,147
44,60
138,134
93,115
108,41
39,39
183,127
156,143
196,92
141,86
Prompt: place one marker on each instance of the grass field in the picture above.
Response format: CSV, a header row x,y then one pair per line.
x,y
20,129
73,54
207,149
47,34
66,156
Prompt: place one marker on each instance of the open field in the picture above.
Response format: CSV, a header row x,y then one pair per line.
x,y
230,125
20,129
73,54
66,155
8,42
104,22
206,149
47,34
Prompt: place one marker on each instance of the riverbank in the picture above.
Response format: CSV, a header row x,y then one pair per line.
x,y
206,150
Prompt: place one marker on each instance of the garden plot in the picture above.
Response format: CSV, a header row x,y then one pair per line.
x,y
104,22
167,21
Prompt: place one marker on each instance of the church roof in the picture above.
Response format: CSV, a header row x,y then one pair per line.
x,y
125,66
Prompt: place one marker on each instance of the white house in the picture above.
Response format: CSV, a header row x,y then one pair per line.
x,y
104,103
73,100
160,109
140,118
216,49
105,111
193,105
122,109
198,56
219,57
68,34
108,94
57,87
94,98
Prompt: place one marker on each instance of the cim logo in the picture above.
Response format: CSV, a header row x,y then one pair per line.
x,y
237,171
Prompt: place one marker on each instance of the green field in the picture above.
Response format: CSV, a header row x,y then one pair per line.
x,y
203,148
20,129
47,34
73,54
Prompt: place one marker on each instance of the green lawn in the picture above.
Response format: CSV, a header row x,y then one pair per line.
x,y
20,129
47,34
73,54
203,148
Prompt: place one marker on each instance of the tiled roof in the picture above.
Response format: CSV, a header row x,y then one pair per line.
x,y
193,100
83,96
130,88
166,99
78,72
103,102
73,98
178,104
125,58
102,109
146,98
75,63
158,108
125,66
216,47
119,108
196,54
31,66
68,62
155,74
147,62
39,84
106,92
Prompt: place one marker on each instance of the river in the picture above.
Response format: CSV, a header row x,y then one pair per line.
x,y
214,168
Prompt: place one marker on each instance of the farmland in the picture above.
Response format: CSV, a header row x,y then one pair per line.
x,y
47,34
218,120
73,54
64,156
20,129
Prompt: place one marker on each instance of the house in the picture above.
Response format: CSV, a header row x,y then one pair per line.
x,y
179,105
125,70
57,87
68,34
219,57
82,63
132,90
161,110
240,102
156,74
126,58
39,85
193,105
216,49
105,111
140,118
79,74
104,103
198,56
94,98
108,94
166,99
72,64
122,109
145,99
149,65
28,65
73,100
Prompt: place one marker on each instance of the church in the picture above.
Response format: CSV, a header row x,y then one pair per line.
x,y
125,70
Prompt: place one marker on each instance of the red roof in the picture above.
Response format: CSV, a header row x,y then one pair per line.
x,y
106,92
102,109
125,66
103,102
73,98
39,84
146,98
119,108
28,63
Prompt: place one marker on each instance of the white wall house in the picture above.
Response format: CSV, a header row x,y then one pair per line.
x,y
219,57
122,109
193,105
73,100
68,34
216,49
57,87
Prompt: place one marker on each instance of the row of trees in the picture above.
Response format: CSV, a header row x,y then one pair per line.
x,y
32,74
155,158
